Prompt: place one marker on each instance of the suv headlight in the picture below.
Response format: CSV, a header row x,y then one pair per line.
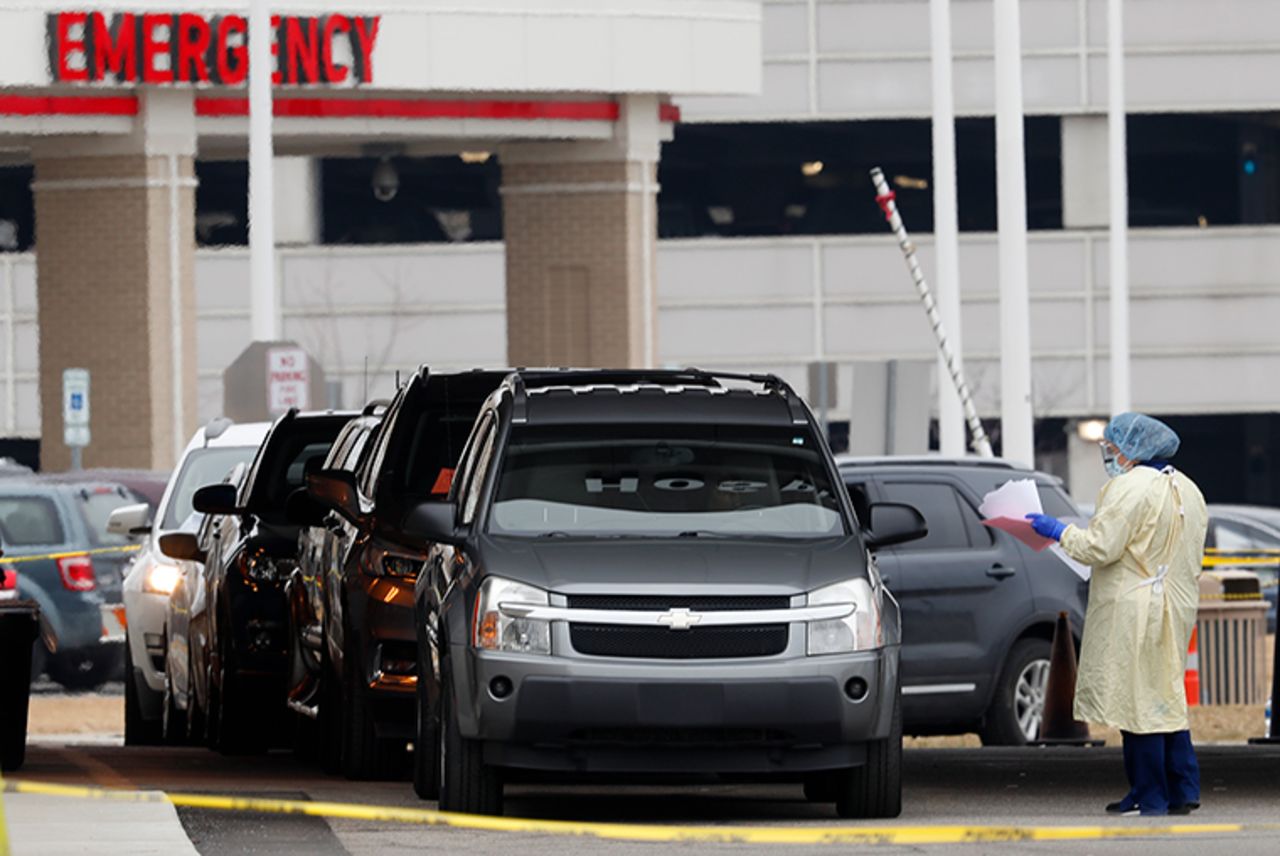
x,y
160,577
861,630
378,561
494,631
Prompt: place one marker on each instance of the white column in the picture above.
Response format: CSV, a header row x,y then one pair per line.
x,y
951,426
263,312
1016,426
1119,203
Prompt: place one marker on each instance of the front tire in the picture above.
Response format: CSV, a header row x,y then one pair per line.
x,y
467,784
364,756
874,790
1018,706
426,744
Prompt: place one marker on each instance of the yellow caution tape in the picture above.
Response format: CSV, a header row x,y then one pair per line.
x,y
1240,561
1235,596
1218,551
904,834
70,554
4,836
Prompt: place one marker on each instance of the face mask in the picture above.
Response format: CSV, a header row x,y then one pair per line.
x,y
1111,465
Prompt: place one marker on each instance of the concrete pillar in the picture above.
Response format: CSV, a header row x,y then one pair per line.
x,y
580,226
298,209
115,273
1084,172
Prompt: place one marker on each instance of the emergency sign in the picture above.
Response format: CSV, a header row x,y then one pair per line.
x,y
210,50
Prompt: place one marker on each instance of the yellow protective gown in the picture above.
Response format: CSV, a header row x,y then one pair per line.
x,y
1145,544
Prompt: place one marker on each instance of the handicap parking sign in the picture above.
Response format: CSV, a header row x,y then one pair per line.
x,y
75,407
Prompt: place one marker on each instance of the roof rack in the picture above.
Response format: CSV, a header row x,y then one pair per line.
x,y
521,380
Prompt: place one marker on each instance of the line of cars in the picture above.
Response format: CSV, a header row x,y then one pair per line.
x,y
508,574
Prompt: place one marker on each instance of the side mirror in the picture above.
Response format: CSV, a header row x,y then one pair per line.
x,y
130,520
894,523
215,499
302,509
181,545
432,521
336,490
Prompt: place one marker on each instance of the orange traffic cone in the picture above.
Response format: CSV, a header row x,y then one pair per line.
x,y
1058,725
1191,680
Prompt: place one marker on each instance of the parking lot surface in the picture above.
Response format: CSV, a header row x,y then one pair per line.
x,y
988,787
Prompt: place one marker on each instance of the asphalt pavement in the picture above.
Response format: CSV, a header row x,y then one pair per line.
x,y
1022,788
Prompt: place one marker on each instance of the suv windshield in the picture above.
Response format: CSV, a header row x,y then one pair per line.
x,y
664,480
203,466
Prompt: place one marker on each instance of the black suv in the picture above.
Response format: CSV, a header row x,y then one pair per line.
x,y
654,572
356,665
240,620
978,606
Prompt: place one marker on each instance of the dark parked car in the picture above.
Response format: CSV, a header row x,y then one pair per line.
x,y
240,669
978,606
354,592
79,587
654,572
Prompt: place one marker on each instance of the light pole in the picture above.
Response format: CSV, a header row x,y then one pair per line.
x,y
1118,195
946,240
263,315
1016,426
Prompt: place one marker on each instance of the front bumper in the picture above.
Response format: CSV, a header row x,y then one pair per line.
x,y
769,715
382,612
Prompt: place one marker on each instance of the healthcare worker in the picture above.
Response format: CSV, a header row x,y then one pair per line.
x,y
1145,544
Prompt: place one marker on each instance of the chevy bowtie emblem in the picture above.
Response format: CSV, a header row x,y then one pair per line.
x,y
679,619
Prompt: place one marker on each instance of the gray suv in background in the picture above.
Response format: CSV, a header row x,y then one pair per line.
x,y
654,572
978,606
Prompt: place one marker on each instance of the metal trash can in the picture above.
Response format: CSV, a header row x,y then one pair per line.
x,y
1232,625
19,627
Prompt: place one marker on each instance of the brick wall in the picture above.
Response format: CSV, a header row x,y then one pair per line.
x,y
577,278
103,224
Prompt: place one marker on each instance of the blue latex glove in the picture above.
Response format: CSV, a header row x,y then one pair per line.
x,y
1049,527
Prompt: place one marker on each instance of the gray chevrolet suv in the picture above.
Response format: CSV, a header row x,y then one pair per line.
x,y
978,606
654,572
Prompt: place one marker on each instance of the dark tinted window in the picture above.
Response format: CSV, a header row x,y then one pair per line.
x,y
296,448
861,501
665,480
941,507
28,520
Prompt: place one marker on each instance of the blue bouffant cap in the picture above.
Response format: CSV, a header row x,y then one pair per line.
x,y
1142,438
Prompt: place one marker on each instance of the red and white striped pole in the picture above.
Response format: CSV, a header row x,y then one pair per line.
x,y
885,199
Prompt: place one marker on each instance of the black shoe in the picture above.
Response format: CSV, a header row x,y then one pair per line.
x,y
1122,807
1185,808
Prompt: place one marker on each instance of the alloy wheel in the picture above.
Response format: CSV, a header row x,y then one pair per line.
x,y
1028,697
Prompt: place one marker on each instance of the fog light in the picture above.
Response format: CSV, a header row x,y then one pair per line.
x,y
855,689
500,687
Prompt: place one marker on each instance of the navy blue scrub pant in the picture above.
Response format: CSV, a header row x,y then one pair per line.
x,y
1162,769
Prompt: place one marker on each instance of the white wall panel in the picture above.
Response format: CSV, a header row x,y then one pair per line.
x,y
785,28
872,58
784,92
1164,23
734,270
690,335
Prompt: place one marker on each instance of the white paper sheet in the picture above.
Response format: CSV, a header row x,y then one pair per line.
x,y
1015,499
